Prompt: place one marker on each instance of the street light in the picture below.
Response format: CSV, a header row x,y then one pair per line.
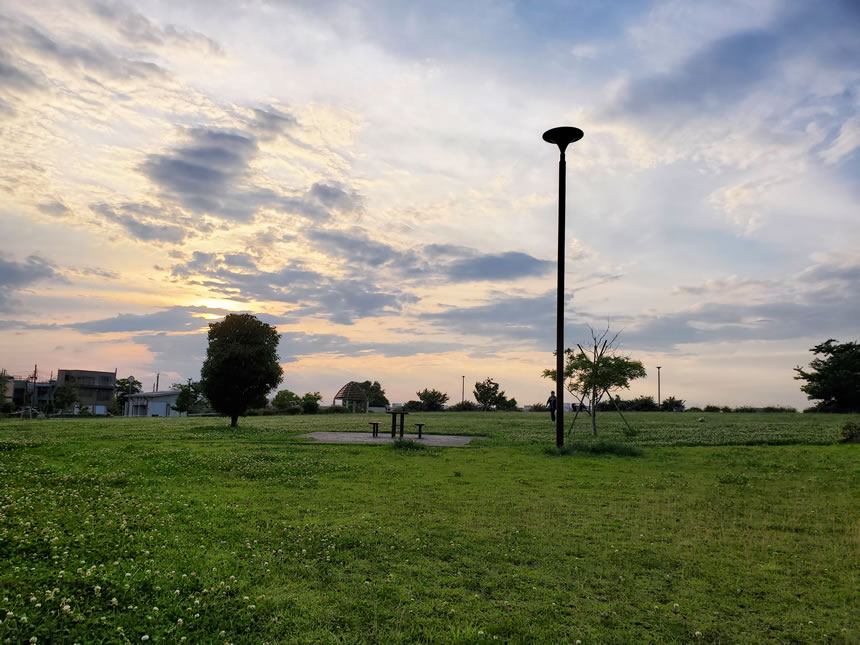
x,y
463,399
562,137
658,387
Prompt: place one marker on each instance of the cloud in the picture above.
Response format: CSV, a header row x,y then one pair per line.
x,y
13,77
309,291
724,72
54,208
173,319
92,58
204,175
142,223
16,275
504,266
138,29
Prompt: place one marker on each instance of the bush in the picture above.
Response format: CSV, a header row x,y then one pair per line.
x,y
464,406
778,409
296,409
407,445
694,409
851,433
595,448
413,406
712,408
725,408
334,409
537,407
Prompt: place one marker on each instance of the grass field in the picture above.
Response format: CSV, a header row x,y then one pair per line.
x,y
739,529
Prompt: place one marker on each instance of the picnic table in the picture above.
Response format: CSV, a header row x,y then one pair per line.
x,y
394,414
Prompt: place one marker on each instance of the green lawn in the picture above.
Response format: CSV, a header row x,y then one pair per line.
x,y
250,535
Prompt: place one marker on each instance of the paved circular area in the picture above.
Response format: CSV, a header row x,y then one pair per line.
x,y
368,438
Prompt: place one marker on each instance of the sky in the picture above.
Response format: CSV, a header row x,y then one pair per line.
x,y
370,178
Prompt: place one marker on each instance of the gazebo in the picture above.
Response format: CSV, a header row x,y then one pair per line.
x,y
350,394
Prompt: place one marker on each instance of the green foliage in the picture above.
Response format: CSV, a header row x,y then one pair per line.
x,y
463,406
66,395
123,388
537,407
602,447
375,394
432,400
286,399
712,408
671,404
850,433
407,445
189,395
241,365
311,402
600,370
833,376
413,406
489,397
306,532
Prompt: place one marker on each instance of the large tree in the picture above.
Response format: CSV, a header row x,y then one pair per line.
x,y
594,373
66,395
124,388
490,397
833,376
189,396
286,399
241,364
432,400
375,394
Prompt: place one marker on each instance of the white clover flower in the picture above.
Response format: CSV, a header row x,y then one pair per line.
x,y
145,637
114,602
698,634
179,622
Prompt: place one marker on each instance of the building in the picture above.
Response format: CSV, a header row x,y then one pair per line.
x,y
95,389
151,404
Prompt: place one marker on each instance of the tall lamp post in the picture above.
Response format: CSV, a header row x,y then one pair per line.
x,y
659,400
463,399
562,137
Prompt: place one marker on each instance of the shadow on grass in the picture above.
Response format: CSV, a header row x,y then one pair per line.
x,y
594,448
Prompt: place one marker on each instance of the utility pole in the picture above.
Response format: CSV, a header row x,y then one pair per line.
x,y
659,400
463,397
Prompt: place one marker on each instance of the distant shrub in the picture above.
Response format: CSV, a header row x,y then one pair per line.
x,y
333,409
413,406
745,409
537,407
851,433
725,408
407,445
296,409
694,409
778,409
712,408
595,448
464,406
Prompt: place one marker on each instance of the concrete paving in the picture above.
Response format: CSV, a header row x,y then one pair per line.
x,y
368,438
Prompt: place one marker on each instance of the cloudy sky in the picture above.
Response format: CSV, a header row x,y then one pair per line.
x,y
370,177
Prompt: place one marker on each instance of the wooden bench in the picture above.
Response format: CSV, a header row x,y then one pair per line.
x,y
420,425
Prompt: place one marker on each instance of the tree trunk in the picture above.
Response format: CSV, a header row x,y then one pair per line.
x,y
234,420
594,413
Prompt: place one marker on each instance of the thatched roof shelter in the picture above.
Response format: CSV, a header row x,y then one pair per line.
x,y
350,394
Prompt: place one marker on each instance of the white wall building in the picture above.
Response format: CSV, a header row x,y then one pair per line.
x,y
151,404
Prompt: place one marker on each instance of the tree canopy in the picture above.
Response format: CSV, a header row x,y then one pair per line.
x,y
598,371
286,399
375,394
189,396
432,400
123,388
833,376
489,397
241,365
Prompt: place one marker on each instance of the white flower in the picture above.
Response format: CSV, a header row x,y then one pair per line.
x,y
698,634
179,622
114,602
145,637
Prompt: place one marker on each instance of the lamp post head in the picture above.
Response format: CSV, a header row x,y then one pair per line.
x,y
563,136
